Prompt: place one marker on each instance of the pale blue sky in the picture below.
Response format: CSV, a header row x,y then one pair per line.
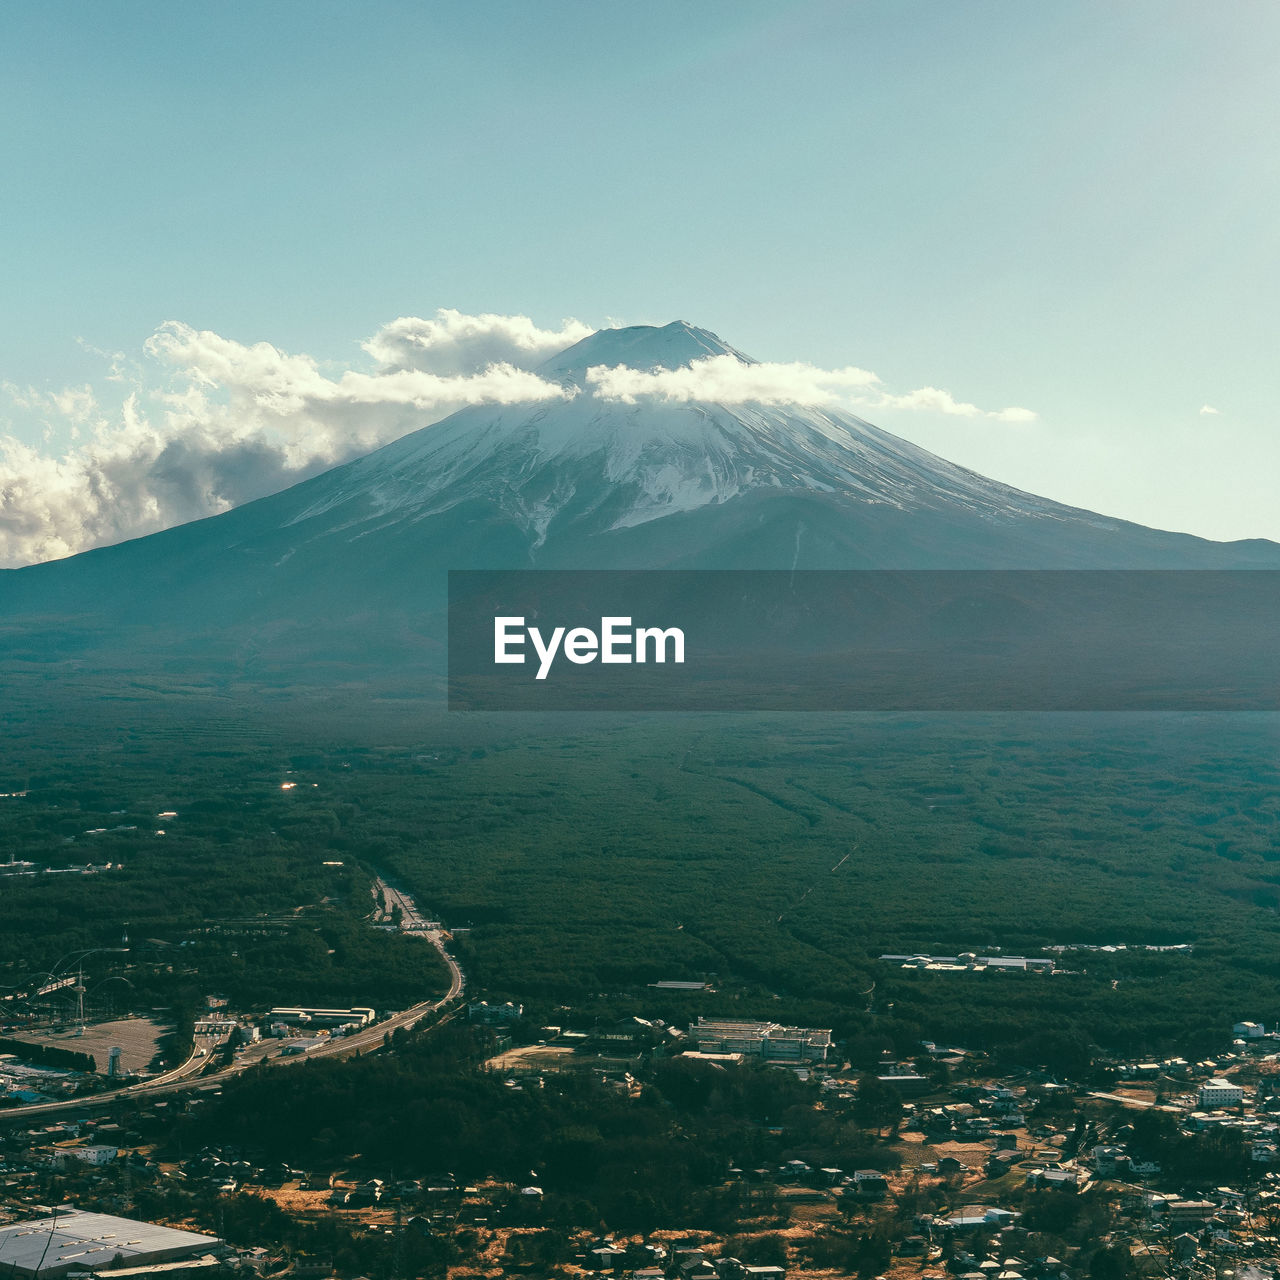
x,y
1071,207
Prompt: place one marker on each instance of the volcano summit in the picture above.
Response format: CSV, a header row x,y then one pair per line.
x,y
631,469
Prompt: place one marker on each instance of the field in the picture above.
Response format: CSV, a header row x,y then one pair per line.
x,y
138,1039
775,857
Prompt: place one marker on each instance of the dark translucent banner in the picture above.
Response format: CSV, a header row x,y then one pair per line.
x,y
877,640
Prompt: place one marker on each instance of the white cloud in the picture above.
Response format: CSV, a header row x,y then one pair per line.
x,y
454,343
1208,409
726,380
938,400
211,423
202,423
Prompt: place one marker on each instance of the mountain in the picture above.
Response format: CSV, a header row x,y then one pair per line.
x,y
353,561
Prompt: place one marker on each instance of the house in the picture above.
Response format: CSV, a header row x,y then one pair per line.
x,y
693,1264
1001,1099
605,1257
869,1184
1069,1179
367,1193
977,1217
651,1256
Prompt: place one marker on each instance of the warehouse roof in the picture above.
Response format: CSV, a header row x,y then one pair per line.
x,y
72,1240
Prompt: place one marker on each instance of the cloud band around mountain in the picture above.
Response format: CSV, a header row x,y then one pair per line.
x,y
204,423
726,380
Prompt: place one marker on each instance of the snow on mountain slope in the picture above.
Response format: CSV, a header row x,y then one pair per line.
x,y
659,457
586,482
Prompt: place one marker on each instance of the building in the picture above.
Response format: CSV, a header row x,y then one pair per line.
x,y
297,1047
767,1040
1070,1179
1220,1093
494,1015
47,1248
1186,1213
870,1184
360,1017
1248,1031
976,1217
95,1155
970,962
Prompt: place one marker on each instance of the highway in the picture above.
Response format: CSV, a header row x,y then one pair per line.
x,y
188,1075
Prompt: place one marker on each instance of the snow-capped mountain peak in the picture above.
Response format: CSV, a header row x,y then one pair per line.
x,y
643,347
587,482
600,464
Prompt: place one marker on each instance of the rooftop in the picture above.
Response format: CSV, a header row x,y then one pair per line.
x,y
74,1240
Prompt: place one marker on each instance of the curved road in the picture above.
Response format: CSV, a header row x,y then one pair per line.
x,y
187,1076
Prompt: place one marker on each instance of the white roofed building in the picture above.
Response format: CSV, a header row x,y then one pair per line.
x,y
71,1240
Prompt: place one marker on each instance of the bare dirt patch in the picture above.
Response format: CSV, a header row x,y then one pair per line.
x,y
137,1038
531,1056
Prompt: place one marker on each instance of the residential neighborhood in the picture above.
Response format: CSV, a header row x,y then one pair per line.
x,y
963,1170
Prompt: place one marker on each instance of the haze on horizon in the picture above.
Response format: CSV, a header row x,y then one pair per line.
x,y
1043,233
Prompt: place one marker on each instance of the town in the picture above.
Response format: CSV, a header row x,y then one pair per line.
x,y
961,1168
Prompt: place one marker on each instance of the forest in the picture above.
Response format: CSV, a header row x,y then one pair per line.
x,y
581,859
598,1153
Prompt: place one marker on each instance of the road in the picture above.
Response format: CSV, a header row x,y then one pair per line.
x,y
187,1076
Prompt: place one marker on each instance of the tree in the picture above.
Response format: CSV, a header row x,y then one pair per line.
x,y
878,1105
1111,1262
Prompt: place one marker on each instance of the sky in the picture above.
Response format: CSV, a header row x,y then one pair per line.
x,y
1047,233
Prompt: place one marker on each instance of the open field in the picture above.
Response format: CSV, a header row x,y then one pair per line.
x,y
531,1057
138,1040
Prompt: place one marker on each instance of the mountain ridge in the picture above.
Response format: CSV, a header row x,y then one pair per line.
x,y
360,551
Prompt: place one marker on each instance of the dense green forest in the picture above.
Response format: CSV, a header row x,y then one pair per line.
x,y
774,857
601,1154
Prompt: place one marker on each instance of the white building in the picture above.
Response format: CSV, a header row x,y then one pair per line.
x,y
95,1155
767,1040
1249,1030
1220,1093
73,1241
